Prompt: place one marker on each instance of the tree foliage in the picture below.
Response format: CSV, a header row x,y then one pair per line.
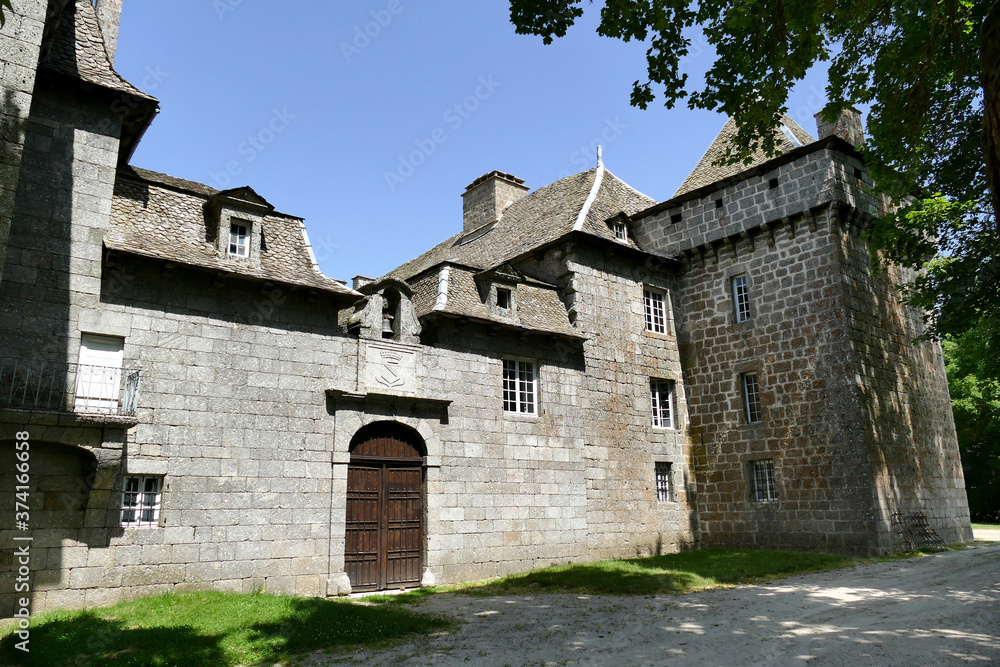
x,y
928,69
974,381
4,4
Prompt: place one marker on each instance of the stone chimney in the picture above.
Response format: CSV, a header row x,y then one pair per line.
x,y
109,13
360,281
847,126
486,198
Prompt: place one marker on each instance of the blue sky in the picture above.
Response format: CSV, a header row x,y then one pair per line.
x,y
368,118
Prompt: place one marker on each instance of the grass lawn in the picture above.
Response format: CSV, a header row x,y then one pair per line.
x,y
986,526
209,629
673,573
214,629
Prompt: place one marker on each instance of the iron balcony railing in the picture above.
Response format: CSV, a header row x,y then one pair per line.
x,y
79,388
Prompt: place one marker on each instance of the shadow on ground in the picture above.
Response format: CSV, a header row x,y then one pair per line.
x,y
107,637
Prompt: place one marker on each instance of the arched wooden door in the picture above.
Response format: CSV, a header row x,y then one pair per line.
x,y
384,545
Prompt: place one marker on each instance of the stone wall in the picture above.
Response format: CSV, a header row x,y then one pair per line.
x,y
510,493
233,413
622,446
809,429
64,194
20,41
856,419
804,179
905,405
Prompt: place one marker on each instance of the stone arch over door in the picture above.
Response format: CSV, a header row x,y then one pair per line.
x,y
385,508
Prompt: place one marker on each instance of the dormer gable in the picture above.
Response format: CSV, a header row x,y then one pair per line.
x,y
619,227
498,290
234,224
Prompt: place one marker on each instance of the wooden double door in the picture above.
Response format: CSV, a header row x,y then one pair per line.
x,y
384,538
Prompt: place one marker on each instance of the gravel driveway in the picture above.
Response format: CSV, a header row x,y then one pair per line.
x,y
930,610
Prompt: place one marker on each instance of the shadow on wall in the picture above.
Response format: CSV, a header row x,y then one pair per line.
x,y
909,432
35,298
11,135
60,491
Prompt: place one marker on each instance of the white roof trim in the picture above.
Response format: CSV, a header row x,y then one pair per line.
x,y
442,300
309,248
592,197
787,131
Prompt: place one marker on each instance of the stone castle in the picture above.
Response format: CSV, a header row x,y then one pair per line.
x,y
580,372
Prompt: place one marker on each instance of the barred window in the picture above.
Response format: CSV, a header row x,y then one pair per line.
x,y
663,481
764,488
655,310
141,501
751,398
741,297
661,394
519,386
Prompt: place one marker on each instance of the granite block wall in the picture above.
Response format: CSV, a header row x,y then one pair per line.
x,y
20,42
905,405
834,351
63,202
795,342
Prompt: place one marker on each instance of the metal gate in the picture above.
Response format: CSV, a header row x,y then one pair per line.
x,y
384,545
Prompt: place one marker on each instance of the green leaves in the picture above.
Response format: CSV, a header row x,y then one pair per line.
x,y
3,17
916,63
974,381
546,19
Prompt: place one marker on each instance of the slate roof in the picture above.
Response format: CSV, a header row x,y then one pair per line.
x,y
538,218
539,308
707,172
76,48
159,216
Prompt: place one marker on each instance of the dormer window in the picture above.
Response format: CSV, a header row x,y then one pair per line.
x,y
234,222
503,299
619,230
498,291
238,238
618,227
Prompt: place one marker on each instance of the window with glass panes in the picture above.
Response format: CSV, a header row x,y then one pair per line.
x,y
751,398
519,386
661,394
654,306
764,488
741,297
238,235
141,501
619,230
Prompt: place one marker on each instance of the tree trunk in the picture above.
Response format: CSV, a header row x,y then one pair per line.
x,y
989,49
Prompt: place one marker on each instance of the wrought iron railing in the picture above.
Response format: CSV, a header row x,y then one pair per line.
x,y
56,386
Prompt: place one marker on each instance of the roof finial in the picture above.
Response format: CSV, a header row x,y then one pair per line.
x,y
600,156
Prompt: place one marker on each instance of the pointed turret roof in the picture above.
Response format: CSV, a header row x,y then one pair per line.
x,y
788,134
